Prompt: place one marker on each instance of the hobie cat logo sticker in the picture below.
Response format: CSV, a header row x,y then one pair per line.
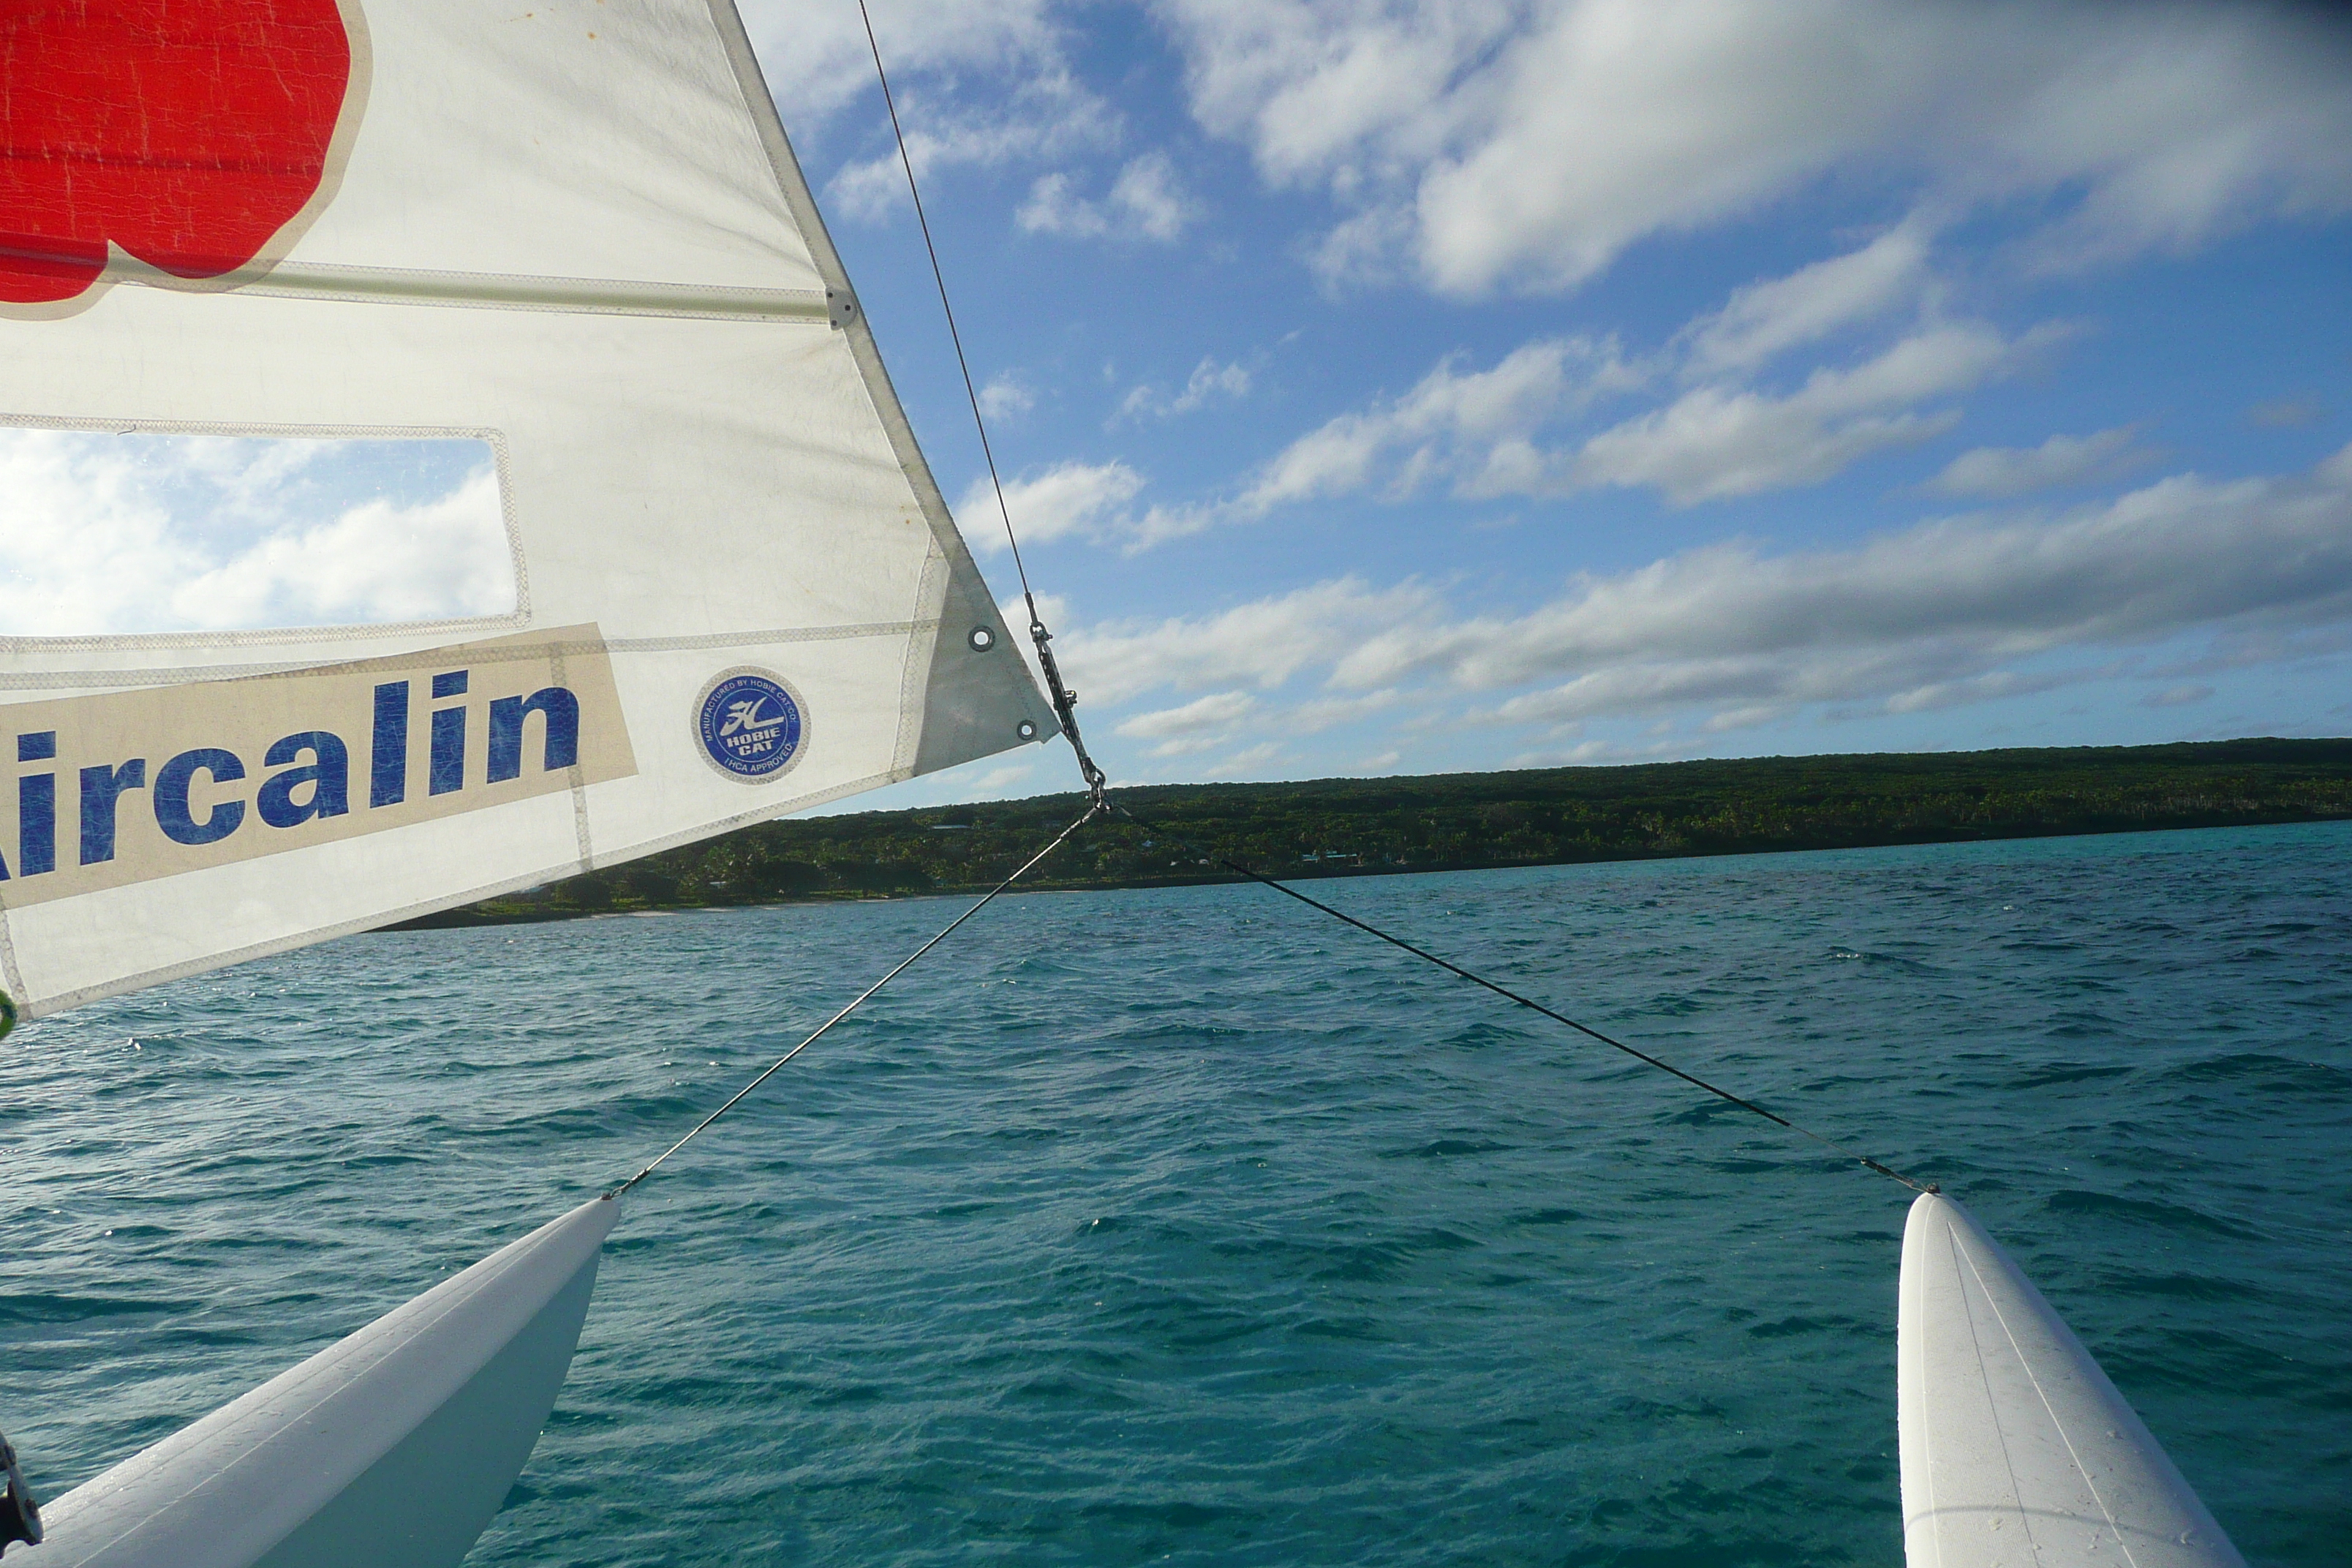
x,y
752,725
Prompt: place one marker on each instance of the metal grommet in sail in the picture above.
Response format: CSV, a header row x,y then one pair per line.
x,y
1026,729
982,638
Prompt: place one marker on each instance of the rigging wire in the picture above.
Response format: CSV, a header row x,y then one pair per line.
x,y
1064,700
1529,1003
859,1000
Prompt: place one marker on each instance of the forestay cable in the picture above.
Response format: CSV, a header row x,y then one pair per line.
x,y
1529,1003
1065,700
859,1000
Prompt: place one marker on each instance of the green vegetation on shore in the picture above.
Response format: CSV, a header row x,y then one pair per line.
x,y
1327,827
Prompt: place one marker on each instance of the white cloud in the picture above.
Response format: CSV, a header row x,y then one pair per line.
x,y
2287,412
1713,443
1475,427
1247,760
1005,395
1069,497
378,562
1147,201
1492,433
113,535
1048,114
1325,712
814,56
1747,718
2000,472
1765,319
1947,613
1219,711
1151,197
1208,380
1327,90
1905,614
1527,143
2336,468
1936,696
1195,728
1262,643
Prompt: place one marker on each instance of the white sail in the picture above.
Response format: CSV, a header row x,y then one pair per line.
x,y
2017,1451
574,232
393,1449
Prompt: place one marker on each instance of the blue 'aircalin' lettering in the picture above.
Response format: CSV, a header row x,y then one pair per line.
x,y
562,710
388,754
37,806
172,810
447,772
101,787
328,778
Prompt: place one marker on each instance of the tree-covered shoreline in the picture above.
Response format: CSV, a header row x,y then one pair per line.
x,y
1448,822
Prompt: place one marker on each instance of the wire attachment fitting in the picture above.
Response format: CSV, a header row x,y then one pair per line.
x,y
1065,703
1064,700
20,1512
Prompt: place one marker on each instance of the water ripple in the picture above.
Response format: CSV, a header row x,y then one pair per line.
x,y
1174,1227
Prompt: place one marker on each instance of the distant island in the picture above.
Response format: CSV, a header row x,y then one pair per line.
x,y
1451,822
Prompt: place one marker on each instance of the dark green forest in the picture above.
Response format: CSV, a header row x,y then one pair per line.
x,y
1337,827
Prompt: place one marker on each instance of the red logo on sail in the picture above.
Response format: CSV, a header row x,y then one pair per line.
x,y
186,132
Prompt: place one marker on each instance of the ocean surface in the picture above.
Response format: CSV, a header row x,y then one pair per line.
x,y
1187,1226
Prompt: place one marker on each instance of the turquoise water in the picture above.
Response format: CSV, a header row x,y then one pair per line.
x,y
1185,1226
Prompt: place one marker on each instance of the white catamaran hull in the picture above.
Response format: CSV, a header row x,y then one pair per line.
x,y
390,1450
2017,1451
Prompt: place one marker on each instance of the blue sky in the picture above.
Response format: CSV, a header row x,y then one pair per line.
x,y
1385,386
1388,387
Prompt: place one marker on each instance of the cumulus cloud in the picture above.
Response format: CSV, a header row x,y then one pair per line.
x,y
1713,443
1197,726
1070,497
1474,427
1526,143
1218,711
2000,472
377,562
1250,759
1005,395
1147,201
1954,600
1767,318
1048,114
814,56
1263,643
1501,431
1948,612
1723,431
113,535
1209,380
